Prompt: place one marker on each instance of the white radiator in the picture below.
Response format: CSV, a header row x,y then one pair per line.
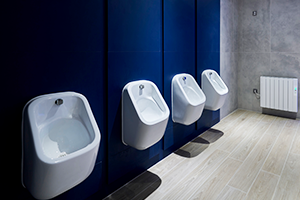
x,y
279,93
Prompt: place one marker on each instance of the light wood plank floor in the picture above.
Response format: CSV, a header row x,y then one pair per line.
x,y
246,156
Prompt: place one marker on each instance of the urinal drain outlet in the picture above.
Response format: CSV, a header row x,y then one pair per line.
x,y
63,154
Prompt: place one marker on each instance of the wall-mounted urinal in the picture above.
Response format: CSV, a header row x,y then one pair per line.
x,y
187,99
60,141
145,114
214,89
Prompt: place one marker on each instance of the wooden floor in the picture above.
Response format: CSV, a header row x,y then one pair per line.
x,y
245,156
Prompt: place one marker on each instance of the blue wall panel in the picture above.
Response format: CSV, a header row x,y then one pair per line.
x,y
134,53
95,48
208,50
179,25
208,25
207,60
175,63
70,25
179,57
37,73
55,47
134,25
124,67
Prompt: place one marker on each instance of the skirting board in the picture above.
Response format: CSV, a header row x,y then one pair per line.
x,y
286,114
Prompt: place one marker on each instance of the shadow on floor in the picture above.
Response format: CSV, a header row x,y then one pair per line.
x,y
139,188
200,143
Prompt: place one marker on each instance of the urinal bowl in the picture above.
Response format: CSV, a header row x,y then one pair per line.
x,y
214,89
60,141
187,99
144,114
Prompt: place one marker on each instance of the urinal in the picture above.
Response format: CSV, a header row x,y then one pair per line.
x,y
214,89
187,99
145,114
60,141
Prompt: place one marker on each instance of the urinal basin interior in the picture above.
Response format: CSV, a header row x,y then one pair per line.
x,y
216,82
147,101
63,129
194,98
191,89
214,88
64,136
149,109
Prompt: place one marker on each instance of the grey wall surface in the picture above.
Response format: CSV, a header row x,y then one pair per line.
x,y
267,44
229,53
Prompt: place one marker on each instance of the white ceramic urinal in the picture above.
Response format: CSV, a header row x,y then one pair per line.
x,y
214,89
60,140
187,99
145,114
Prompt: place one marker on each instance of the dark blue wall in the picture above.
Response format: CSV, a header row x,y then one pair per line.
x,y
134,53
52,46
208,50
179,57
95,48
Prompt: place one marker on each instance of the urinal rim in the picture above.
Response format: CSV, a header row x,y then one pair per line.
x,y
35,132
128,87
176,79
206,72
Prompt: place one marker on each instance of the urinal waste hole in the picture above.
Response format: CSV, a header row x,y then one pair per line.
x,y
63,137
62,154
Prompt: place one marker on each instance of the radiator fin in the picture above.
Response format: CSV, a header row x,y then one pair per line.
x,y
279,93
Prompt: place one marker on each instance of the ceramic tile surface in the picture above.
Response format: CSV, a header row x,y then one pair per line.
x,y
232,160
267,44
285,26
